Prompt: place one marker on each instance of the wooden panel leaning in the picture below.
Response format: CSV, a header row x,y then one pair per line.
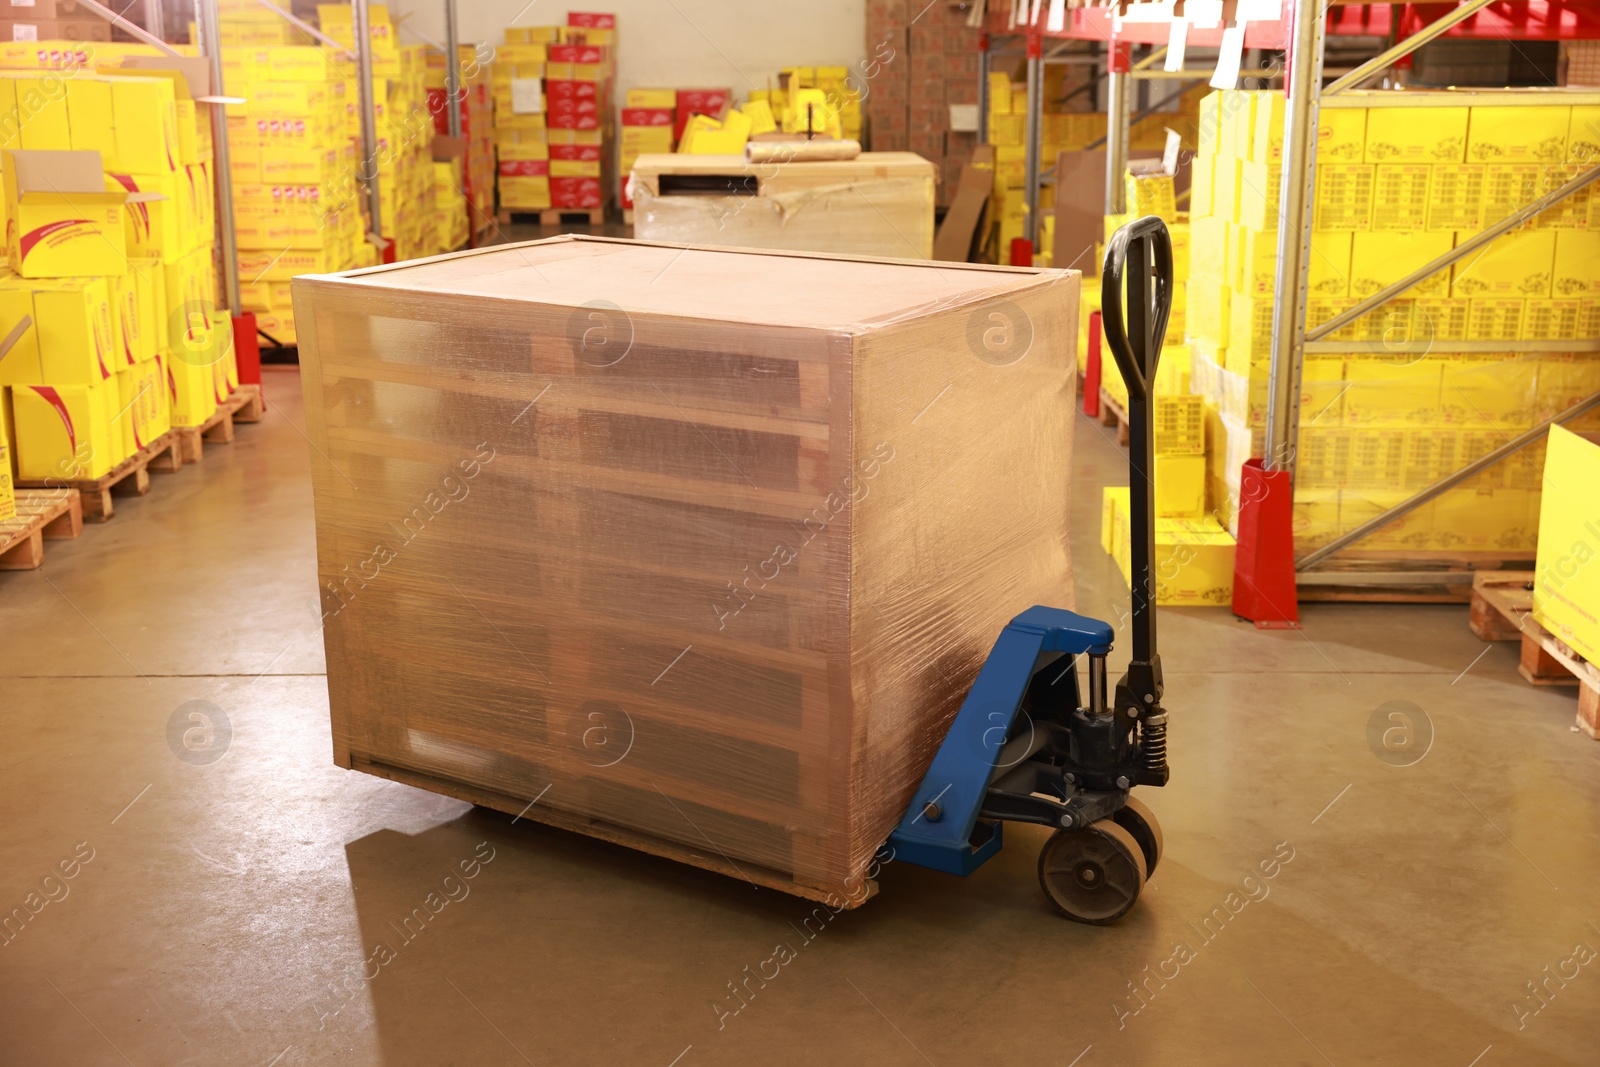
x,y
698,548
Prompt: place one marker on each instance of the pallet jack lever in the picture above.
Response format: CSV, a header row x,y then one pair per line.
x,y
1135,338
1024,747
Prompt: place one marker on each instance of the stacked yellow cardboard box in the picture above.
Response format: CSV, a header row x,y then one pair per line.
x,y
648,117
517,88
464,184
1194,563
107,291
405,129
1401,178
1059,132
297,206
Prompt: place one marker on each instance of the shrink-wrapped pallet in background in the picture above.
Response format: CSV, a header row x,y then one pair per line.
x,y
699,548
878,204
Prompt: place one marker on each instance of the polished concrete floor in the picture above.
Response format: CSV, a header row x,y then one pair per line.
x,y
1441,910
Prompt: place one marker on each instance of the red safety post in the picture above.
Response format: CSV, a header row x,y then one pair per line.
x,y
1263,562
247,348
1091,369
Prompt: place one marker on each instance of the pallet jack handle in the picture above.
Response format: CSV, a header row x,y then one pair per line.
x,y
1135,338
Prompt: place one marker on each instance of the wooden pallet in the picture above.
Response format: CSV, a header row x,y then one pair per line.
x,y
245,405
131,476
545,810
1441,577
1112,414
1502,610
553,217
42,515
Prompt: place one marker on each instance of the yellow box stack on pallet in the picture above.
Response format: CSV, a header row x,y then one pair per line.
x,y
117,175
521,139
464,186
1060,132
294,153
405,129
1401,179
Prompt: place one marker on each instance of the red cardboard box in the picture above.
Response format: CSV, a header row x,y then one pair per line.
x,y
571,107
570,90
524,168
583,153
591,20
576,53
647,116
572,120
713,102
575,192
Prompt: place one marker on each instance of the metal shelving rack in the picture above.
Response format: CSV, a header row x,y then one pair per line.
x,y
1302,32
1291,340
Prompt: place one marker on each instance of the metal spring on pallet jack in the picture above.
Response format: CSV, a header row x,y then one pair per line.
x,y
1153,738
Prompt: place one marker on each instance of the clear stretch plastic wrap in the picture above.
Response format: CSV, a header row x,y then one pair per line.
x,y
695,549
878,204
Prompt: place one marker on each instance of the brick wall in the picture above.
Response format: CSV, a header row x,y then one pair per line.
x,y
921,58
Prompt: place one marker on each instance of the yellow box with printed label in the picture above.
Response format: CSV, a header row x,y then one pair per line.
x,y
65,431
1381,258
1258,196
1381,393
1414,530
1327,269
1535,134
192,393
1495,318
1343,197
1477,519
21,363
1490,391
1226,182
1455,197
1518,264
41,110
145,114
89,116
640,97
1342,134
77,330
1180,486
1566,585
1266,129
61,220
1576,270
1401,196
1416,135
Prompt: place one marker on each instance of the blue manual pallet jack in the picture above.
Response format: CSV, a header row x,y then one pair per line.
x,y
1024,747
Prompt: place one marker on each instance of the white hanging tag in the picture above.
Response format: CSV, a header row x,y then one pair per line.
x,y
1177,43
1057,20
1230,53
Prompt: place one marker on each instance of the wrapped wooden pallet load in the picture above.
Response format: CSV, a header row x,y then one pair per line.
x,y
699,549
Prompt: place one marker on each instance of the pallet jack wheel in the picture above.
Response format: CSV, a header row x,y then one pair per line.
x,y
1140,822
1092,875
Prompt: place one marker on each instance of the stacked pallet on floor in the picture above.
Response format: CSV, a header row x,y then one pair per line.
x,y
643,574
1502,610
39,516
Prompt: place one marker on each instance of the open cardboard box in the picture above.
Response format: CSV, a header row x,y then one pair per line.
x,y
61,220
